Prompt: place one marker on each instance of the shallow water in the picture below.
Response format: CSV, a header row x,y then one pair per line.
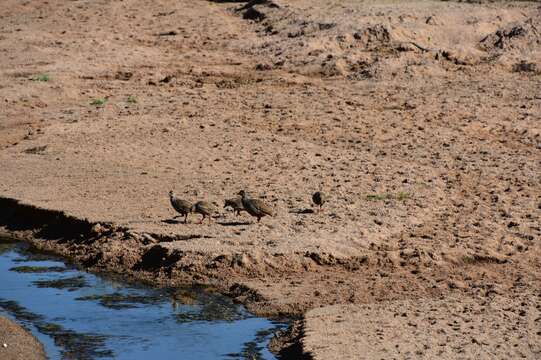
x,y
77,315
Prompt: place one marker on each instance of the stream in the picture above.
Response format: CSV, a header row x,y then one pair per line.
x,y
78,315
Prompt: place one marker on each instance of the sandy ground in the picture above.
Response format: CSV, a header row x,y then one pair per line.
x,y
497,327
421,120
21,345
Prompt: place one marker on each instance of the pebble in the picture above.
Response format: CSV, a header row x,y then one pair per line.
x,y
5,345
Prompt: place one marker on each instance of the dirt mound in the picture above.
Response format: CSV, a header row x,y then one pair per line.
x,y
508,38
360,42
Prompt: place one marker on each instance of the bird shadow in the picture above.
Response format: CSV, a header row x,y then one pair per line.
x,y
233,223
182,238
172,221
301,211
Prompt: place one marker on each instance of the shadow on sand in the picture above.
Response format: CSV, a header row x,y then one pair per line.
x,y
233,223
173,221
302,211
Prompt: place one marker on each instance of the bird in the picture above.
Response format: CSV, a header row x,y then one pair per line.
x,y
183,207
319,199
204,208
236,204
255,207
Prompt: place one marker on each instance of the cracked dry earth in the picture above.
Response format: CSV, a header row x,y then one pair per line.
x,y
420,119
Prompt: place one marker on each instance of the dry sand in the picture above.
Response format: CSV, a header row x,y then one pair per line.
x,y
496,327
421,120
20,344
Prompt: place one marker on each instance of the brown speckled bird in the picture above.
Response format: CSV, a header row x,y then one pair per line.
x,y
319,199
204,208
255,207
183,207
235,204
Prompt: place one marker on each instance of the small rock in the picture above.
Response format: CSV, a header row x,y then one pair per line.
x,y
168,33
5,345
147,239
512,224
431,21
98,228
263,67
167,79
525,66
123,75
241,260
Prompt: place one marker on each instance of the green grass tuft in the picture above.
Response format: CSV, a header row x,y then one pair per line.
x,y
98,102
132,99
401,196
41,77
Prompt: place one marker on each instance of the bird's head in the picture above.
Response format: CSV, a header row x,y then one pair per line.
x,y
242,193
171,193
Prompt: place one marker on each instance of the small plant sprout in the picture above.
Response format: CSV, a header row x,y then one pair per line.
x,y
376,197
132,99
41,77
98,102
401,196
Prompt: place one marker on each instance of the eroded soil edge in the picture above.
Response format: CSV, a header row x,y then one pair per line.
x,y
300,281
78,241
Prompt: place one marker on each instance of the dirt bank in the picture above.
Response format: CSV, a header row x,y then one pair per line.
x,y
19,343
419,119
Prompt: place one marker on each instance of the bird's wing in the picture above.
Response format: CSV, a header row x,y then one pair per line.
x,y
264,208
206,207
175,203
238,203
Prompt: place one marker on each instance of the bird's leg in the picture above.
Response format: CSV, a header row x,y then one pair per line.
x,y
186,218
202,219
258,219
210,219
